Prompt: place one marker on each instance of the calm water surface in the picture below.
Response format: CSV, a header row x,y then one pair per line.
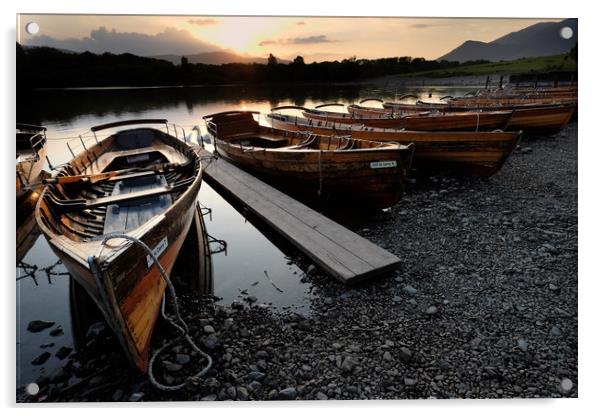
x,y
251,251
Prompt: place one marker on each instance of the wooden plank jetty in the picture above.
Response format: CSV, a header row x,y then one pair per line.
x,y
337,250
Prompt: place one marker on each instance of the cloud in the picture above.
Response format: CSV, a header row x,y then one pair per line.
x,y
203,22
420,26
298,41
170,41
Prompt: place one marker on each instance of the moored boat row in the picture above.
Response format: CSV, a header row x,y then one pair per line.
x,y
475,153
510,98
423,121
540,119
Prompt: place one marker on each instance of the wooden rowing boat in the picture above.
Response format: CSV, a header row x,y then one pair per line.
x,y
151,196
31,153
493,101
541,121
448,106
349,169
427,121
514,92
470,153
536,119
390,108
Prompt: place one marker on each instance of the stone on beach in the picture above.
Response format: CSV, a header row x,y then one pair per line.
x,y
41,359
289,393
38,326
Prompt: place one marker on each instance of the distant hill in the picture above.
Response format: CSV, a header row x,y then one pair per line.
x,y
216,58
540,65
26,47
541,39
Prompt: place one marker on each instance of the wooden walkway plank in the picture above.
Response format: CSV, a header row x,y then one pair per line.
x,y
337,250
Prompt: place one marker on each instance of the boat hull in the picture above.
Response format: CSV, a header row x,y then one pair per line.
x,y
463,153
544,119
128,292
27,231
29,172
347,175
541,121
473,121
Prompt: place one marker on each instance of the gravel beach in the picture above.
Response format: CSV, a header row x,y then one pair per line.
x,y
484,305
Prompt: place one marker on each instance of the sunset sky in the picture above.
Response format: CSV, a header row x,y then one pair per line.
x,y
314,38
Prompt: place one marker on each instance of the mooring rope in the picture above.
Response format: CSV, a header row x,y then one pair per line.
x,y
210,160
320,171
180,326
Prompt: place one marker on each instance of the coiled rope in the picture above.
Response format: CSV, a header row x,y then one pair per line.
x,y
180,326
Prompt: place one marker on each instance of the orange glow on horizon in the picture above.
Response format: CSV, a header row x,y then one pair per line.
x,y
314,38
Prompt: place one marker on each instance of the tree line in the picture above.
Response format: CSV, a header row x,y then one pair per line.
x,y
44,67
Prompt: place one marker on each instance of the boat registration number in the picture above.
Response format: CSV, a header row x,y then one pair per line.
x,y
383,164
138,158
157,251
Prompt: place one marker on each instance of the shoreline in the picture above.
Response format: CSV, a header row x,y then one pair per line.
x,y
401,80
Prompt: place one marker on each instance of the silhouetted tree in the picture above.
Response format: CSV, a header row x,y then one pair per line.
x,y
573,52
86,69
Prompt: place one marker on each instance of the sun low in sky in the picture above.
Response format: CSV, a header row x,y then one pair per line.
x,y
314,38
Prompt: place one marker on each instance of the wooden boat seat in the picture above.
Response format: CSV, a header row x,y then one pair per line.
x,y
168,152
264,141
271,139
131,176
347,145
124,215
135,139
310,142
80,204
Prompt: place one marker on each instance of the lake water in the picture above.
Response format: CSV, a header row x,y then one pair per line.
x,y
252,252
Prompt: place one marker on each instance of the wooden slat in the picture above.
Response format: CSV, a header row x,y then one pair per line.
x,y
127,217
340,252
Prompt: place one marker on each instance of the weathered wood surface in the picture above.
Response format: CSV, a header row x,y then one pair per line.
x,y
337,250
127,216
470,121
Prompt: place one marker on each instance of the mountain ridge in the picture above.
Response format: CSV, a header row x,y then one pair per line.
x,y
540,39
